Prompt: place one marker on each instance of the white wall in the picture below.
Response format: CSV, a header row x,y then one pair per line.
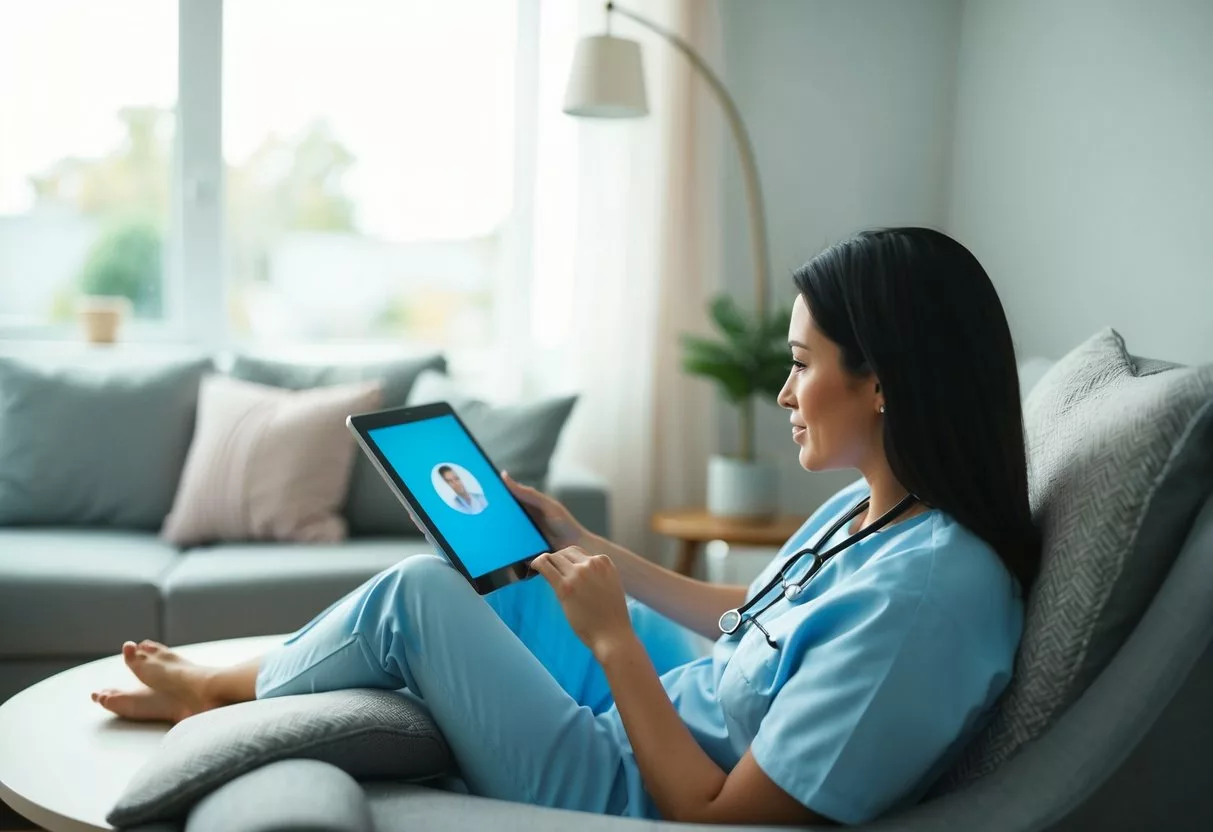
x,y
1083,172
849,105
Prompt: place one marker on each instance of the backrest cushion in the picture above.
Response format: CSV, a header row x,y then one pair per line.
x,y
370,507
1120,457
93,446
268,463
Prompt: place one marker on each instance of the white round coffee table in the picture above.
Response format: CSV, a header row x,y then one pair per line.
x,y
65,760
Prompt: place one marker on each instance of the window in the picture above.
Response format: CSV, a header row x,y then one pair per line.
x,y
87,116
347,170
368,167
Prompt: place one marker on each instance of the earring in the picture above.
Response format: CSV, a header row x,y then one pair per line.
x,y
882,408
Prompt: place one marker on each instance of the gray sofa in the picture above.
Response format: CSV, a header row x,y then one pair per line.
x,y
68,596
73,592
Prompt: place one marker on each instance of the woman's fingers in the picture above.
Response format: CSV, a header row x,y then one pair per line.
x,y
573,554
563,562
519,490
549,565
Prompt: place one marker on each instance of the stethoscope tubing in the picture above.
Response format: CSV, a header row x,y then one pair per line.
x,y
732,619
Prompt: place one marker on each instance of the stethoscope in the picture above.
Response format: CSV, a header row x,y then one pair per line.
x,y
732,620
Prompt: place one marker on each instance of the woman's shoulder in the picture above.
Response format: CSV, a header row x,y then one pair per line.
x,y
956,575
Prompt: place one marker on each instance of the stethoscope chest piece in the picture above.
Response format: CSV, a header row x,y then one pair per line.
x,y
730,621
792,591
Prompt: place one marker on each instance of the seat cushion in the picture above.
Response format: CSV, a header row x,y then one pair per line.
x,y
1120,458
79,592
253,589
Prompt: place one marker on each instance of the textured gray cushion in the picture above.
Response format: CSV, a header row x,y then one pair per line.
x,y
366,733
94,447
1120,455
518,438
370,507
287,796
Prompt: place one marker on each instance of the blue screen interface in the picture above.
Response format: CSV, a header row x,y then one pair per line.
x,y
457,487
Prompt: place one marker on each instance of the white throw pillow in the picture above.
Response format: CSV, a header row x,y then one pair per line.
x,y
267,463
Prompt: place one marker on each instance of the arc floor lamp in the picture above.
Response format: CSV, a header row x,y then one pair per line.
x,y
607,81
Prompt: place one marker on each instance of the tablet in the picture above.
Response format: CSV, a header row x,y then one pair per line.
x,y
452,491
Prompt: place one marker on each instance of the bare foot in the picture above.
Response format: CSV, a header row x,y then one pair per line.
x,y
176,687
143,704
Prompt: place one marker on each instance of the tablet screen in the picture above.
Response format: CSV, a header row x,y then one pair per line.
x,y
458,489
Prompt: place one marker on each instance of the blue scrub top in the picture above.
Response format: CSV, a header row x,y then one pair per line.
x,y
889,663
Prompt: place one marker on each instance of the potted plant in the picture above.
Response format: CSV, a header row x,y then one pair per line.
x,y
749,359
121,276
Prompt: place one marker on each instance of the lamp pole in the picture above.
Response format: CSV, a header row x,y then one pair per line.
x,y
749,168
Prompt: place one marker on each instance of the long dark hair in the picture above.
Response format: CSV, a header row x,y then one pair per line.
x,y
914,308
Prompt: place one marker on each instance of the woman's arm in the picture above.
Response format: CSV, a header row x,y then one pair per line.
x,y
686,784
696,605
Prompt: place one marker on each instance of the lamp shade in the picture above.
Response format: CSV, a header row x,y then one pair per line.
x,y
607,79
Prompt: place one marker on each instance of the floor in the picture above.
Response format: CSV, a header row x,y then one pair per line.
x,y
10,821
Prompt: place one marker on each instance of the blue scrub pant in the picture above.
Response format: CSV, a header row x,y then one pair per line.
x,y
518,697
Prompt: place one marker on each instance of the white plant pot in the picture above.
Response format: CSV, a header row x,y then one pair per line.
x,y
101,317
741,489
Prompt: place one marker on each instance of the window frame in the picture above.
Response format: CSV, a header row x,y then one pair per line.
x,y
195,273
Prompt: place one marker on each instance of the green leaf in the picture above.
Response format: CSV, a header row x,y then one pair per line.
x,y
729,317
752,357
733,381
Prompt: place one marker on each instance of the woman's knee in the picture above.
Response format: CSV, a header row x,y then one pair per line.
x,y
430,571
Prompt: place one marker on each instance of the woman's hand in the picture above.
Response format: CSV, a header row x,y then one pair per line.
x,y
555,521
591,593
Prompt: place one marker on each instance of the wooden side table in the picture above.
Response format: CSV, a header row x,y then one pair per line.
x,y
694,526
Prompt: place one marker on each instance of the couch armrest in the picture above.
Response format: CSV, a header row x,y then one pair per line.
x,y
584,493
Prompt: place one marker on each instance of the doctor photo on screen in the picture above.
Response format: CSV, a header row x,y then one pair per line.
x,y
461,499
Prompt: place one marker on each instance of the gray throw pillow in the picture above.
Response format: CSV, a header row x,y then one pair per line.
x,y
88,446
1120,457
519,438
370,507
366,733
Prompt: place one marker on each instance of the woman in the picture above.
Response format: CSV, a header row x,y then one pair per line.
x,y
836,700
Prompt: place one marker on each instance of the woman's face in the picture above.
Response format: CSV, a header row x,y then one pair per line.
x,y
834,415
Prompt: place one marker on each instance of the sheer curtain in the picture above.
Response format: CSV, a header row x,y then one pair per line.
x,y
624,258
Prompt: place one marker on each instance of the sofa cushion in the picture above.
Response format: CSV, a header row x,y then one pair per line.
x,y
268,463
1120,455
239,590
94,447
370,507
364,732
76,592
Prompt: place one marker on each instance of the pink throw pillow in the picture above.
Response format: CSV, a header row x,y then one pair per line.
x,y
267,463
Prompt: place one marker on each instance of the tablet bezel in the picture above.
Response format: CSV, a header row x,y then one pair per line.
x,y
363,423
